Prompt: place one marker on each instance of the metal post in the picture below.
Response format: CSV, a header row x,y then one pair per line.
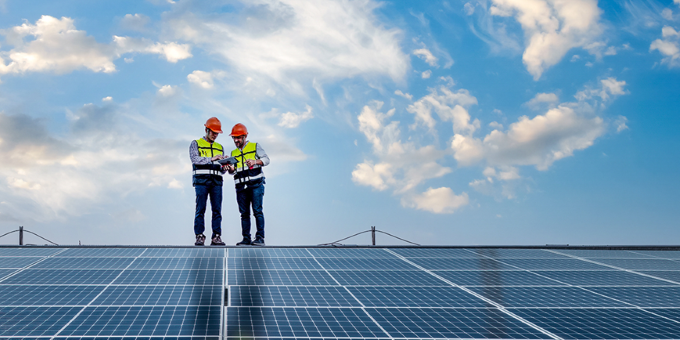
x,y
21,236
373,234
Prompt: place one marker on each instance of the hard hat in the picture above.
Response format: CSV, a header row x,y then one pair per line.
x,y
214,125
239,130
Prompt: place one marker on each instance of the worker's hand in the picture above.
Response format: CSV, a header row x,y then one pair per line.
x,y
230,168
217,158
251,162
225,167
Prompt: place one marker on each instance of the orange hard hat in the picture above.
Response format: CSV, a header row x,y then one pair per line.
x,y
239,130
214,125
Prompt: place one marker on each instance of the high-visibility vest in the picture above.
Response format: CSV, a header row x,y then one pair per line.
x,y
245,174
208,173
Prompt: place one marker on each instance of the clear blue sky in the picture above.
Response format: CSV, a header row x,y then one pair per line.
x,y
501,122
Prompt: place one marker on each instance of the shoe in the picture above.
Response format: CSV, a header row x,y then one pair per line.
x,y
258,242
200,240
244,242
216,241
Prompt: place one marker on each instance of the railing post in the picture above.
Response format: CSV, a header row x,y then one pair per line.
x,y
373,234
21,236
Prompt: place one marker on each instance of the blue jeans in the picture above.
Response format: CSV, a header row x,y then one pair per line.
x,y
202,193
247,197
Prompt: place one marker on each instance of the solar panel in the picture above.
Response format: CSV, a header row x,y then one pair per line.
x,y
268,293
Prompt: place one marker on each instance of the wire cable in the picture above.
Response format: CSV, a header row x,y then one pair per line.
x,y
40,237
380,231
5,234
337,243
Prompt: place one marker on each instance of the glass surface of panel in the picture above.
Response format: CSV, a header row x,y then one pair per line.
x,y
642,264
601,278
178,263
247,322
279,277
29,251
480,263
545,297
365,264
663,254
435,252
17,262
309,296
34,321
351,253
268,252
643,296
601,323
603,254
496,278
146,321
477,323
673,276
171,277
518,253
554,264
272,263
161,296
25,295
416,297
101,252
84,263
385,278
63,276
184,252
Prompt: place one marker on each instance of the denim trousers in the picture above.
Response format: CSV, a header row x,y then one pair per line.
x,y
246,197
202,193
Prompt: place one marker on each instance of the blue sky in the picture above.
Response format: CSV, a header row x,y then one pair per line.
x,y
501,122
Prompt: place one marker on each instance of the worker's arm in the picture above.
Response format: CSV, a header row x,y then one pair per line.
x,y
261,155
196,159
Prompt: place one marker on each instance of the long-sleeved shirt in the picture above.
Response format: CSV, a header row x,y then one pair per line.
x,y
259,154
196,159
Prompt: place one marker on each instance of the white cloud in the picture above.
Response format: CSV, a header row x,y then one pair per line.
x,y
402,94
299,41
610,88
551,28
667,14
450,106
377,176
469,8
439,201
426,74
134,22
542,98
292,120
620,123
167,91
669,46
107,99
201,78
371,122
59,47
426,55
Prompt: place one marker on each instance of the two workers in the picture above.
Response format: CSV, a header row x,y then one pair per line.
x,y
249,181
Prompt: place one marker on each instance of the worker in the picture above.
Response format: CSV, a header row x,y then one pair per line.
x,y
205,154
249,181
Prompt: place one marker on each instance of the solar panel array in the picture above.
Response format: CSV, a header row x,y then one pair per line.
x,y
338,293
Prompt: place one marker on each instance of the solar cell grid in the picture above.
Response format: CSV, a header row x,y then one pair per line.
x,y
263,263
435,252
263,296
5,272
25,295
300,323
668,275
178,263
350,253
161,296
29,251
364,264
146,321
642,264
17,262
34,321
279,277
496,278
553,264
460,264
268,252
64,276
101,252
615,323
597,253
416,297
518,254
184,252
664,254
171,277
643,296
671,313
479,323
545,297
602,278
386,278
84,263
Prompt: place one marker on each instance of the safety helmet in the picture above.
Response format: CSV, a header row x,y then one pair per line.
x,y
214,125
239,130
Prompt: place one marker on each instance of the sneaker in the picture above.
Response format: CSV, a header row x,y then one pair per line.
x,y
200,240
258,242
244,242
216,241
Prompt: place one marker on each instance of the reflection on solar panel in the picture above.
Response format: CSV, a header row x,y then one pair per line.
x,y
318,293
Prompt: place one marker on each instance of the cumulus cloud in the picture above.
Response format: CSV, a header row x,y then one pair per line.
x,y
620,123
439,201
608,89
134,22
402,94
542,98
551,28
57,46
426,55
201,78
301,41
669,46
449,105
426,74
292,120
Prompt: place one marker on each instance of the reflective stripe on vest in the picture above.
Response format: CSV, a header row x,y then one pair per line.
x,y
207,172
243,172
